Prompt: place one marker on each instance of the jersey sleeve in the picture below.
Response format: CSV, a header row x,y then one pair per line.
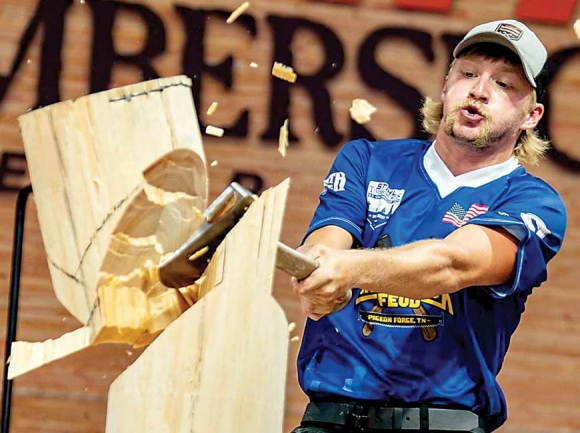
x,y
342,202
536,216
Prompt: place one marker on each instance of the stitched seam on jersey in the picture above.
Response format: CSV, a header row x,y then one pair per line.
x,y
494,220
516,281
521,257
358,229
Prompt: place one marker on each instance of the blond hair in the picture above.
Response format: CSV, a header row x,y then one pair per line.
x,y
529,146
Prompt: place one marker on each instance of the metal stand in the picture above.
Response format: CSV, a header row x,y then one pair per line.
x,y
12,316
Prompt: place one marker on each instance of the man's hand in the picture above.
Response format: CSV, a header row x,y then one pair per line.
x,y
328,286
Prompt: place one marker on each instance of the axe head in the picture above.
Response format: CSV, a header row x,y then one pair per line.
x,y
188,262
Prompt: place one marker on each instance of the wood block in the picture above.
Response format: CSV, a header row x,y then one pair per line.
x,y
86,159
120,181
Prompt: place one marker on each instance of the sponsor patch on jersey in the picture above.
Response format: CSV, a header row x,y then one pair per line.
x,y
383,202
458,216
335,182
535,224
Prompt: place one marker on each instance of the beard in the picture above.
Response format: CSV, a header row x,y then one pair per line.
x,y
482,138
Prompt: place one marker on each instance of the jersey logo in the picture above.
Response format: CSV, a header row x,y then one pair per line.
x,y
335,182
458,216
383,202
535,224
399,316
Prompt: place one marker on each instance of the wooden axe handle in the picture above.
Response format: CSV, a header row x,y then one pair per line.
x,y
300,265
294,263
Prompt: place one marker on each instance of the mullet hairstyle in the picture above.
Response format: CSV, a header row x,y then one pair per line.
x,y
529,146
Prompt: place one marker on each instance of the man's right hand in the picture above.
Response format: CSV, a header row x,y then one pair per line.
x,y
328,288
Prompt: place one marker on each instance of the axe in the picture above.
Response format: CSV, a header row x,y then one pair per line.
x,y
188,262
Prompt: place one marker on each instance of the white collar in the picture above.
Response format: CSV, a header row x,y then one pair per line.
x,y
446,182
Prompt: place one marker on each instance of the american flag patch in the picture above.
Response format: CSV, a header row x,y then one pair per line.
x,y
458,216
509,31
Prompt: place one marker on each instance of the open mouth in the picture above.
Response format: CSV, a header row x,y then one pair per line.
x,y
472,113
472,110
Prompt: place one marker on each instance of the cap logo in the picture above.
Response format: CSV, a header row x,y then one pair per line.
x,y
509,31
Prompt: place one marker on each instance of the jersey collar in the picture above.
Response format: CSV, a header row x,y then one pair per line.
x,y
446,182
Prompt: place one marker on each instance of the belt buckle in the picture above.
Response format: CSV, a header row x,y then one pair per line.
x,y
358,416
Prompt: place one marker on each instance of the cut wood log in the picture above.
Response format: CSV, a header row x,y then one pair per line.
x,y
26,354
119,180
221,366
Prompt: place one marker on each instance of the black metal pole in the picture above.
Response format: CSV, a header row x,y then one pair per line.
x,y
12,316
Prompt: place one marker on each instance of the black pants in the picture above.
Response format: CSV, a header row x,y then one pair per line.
x,y
344,429
365,417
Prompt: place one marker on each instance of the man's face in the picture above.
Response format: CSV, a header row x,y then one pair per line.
x,y
486,102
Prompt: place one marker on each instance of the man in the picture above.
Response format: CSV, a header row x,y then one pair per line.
x,y
439,243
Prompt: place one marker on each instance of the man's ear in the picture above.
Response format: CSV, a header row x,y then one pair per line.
x,y
533,118
444,88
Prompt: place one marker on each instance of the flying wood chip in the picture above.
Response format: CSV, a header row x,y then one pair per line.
x,y
211,109
283,72
236,14
283,139
361,110
577,28
198,254
213,130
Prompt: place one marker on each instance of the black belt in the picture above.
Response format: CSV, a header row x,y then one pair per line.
x,y
379,417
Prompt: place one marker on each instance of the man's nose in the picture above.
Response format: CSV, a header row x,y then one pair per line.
x,y
480,90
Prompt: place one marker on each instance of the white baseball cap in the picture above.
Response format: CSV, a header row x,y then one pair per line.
x,y
513,35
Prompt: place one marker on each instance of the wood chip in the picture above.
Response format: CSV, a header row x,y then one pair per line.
x,y
190,293
291,326
577,28
162,197
283,139
211,109
295,339
198,254
213,163
361,110
215,131
283,72
236,14
253,65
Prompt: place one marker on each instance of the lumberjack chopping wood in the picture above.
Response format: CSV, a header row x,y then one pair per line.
x,y
449,236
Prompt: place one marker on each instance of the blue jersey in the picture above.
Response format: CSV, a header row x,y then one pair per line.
x,y
449,349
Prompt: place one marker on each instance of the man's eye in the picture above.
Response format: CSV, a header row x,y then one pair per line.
x,y
469,74
502,84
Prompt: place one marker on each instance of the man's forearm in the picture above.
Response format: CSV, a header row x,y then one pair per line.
x,y
471,256
419,270
330,236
